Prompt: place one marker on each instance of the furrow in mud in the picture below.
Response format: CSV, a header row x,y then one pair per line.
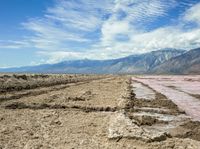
x,y
38,91
19,105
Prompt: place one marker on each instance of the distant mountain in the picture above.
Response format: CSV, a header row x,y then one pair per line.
x,y
186,63
143,63
137,64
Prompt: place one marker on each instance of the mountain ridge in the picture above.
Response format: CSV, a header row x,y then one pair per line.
x,y
187,63
146,63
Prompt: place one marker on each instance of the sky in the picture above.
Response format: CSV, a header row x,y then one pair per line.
x,y
34,32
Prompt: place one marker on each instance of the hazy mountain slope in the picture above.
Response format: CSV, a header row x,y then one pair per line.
x,y
148,61
139,64
187,63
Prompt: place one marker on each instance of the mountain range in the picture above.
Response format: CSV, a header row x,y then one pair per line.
x,y
165,61
186,63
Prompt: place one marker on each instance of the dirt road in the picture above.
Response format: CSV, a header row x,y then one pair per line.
x,y
94,112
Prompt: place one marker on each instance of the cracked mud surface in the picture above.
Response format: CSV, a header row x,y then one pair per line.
x,y
94,112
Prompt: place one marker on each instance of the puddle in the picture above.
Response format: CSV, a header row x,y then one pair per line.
x,y
142,92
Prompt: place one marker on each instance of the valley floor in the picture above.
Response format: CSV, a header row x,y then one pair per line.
x,y
98,112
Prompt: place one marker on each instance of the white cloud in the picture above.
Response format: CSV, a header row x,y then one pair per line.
x,y
74,20
67,21
57,56
95,28
48,36
82,15
193,14
136,12
169,37
141,41
111,28
11,44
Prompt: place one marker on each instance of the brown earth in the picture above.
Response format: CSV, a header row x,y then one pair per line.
x,y
88,111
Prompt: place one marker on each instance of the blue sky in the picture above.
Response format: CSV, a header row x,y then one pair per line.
x,y
34,32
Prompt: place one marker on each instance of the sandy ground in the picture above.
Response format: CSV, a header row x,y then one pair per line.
x,y
95,112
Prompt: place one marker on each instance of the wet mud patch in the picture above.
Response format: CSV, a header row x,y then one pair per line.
x,y
167,104
195,95
160,96
151,118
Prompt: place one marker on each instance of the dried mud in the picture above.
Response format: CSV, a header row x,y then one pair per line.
x,y
90,112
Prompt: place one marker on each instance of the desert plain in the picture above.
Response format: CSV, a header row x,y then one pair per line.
x,y
79,111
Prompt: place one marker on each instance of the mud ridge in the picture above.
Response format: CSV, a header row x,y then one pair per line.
x,y
20,105
37,92
27,82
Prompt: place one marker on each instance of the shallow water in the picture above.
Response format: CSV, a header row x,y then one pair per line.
x,y
186,102
143,92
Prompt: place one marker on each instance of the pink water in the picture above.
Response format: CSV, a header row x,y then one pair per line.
x,y
185,84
